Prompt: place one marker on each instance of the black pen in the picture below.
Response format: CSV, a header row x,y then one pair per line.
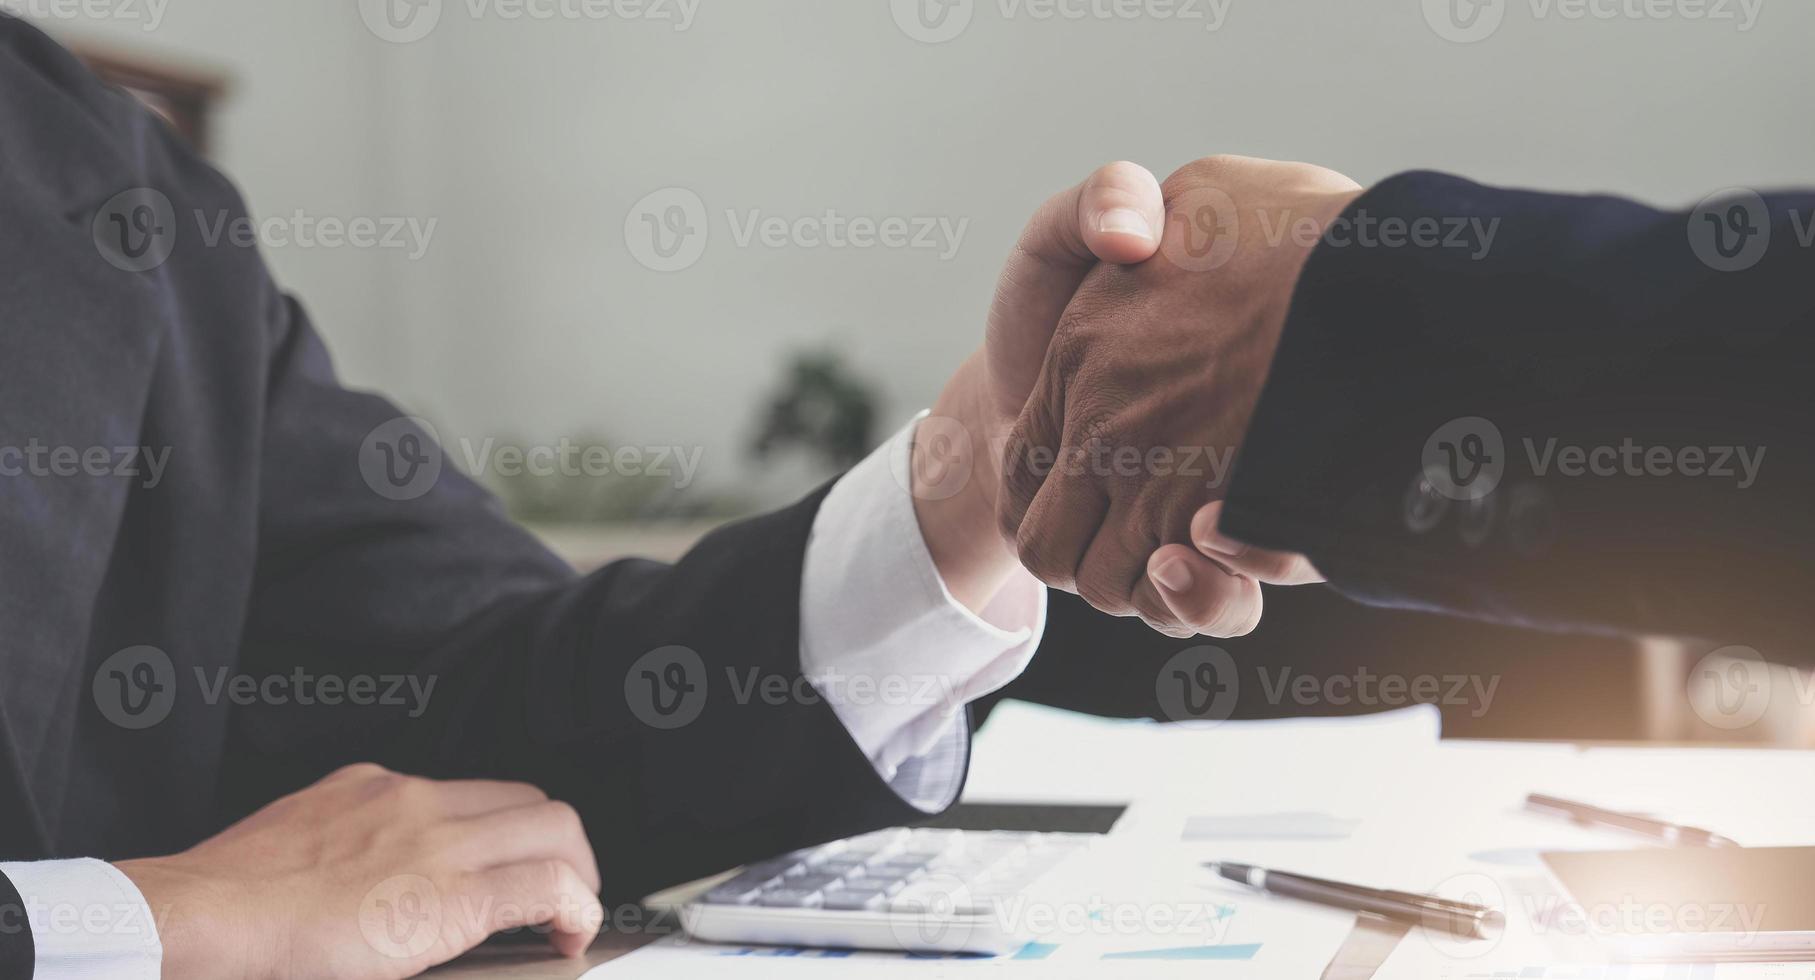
x,y
1457,918
1658,830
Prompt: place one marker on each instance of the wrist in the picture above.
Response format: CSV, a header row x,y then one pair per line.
x,y
954,474
198,940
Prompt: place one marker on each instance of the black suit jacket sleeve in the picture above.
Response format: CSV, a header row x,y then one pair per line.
x,y
538,674
1628,378
18,951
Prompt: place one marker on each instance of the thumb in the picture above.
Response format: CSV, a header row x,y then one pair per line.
x,y
1116,215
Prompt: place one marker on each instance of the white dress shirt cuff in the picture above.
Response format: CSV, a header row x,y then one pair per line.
x,y
883,640
88,921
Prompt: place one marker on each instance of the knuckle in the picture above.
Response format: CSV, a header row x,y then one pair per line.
x,y
1158,617
360,771
1095,424
1009,518
565,818
554,875
537,877
1112,573
1105,291
1209,603
1102,588
412,792
1022,477
1041,560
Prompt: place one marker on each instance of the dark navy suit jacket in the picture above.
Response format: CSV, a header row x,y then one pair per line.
x,y
1604,420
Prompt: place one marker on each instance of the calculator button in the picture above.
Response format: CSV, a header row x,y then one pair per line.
x,y
789,898
896,868
887,886
854,900
729,895
764,870
810,882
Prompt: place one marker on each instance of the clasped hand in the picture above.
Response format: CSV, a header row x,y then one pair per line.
x,y
1115,453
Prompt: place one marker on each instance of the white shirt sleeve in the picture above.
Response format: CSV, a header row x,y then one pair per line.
x,y
884,641
88,921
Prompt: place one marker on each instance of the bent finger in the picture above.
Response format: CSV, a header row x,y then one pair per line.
x,y
1204,596
1271,567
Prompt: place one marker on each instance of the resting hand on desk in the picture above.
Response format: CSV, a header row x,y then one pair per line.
x,y
373,874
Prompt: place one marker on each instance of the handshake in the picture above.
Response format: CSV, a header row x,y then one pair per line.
x,y
1127,344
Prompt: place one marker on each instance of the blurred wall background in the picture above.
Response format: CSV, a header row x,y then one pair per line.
x,y
588,180
528,130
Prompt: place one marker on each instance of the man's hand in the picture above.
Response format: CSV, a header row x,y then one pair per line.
x,y
1113,216
369,874
1129,433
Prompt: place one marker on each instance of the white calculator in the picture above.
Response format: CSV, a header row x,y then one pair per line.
x,y
924,891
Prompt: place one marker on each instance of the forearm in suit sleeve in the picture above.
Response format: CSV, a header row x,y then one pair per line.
x,y
1653,415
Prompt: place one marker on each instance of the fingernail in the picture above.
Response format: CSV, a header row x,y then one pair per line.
x,y
1124,221
1174,576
